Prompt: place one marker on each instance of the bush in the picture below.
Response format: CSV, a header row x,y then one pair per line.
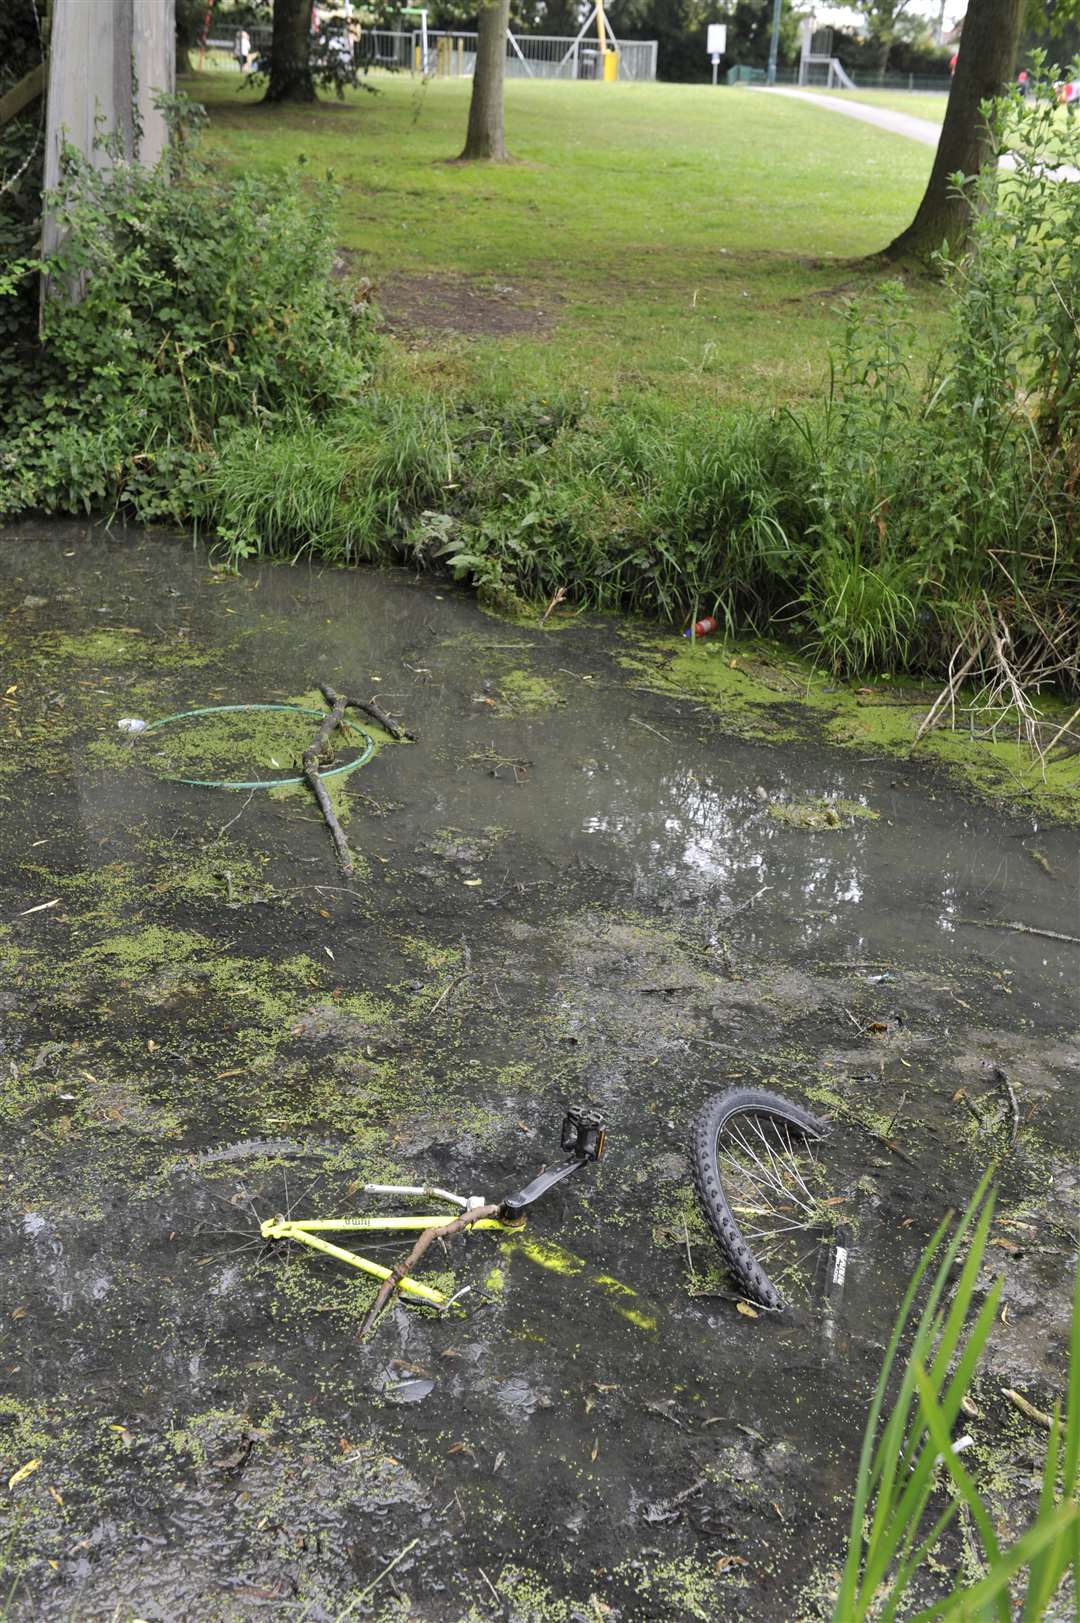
x,y
213,371
179,307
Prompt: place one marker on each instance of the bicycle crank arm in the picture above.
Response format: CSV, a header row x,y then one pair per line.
x,y
513,1206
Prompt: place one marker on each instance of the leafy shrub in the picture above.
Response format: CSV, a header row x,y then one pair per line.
x,y
179,306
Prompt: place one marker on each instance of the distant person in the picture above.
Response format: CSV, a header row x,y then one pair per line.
x,y
242,49
1023,81
952,63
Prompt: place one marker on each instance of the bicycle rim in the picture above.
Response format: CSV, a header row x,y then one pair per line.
x,y
775,1186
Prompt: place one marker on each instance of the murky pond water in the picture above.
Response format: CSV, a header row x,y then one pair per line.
x,y
569,890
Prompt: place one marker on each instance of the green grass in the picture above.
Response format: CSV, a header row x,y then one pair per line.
x,y
681,239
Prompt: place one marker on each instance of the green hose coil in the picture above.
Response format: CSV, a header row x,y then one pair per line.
x,y
264,783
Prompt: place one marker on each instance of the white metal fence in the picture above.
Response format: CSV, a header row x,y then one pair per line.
x,y
451,54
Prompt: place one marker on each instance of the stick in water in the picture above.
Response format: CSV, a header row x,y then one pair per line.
x,y
310,762
1023,929
403,1269
370,707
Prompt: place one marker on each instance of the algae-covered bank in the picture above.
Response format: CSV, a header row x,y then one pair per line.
x,y
582,884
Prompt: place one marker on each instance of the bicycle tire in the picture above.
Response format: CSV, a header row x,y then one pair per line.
x,y
710,1123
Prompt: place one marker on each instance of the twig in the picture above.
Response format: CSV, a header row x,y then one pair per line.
x,y
1024,929
232,820
639,723
756,897
403,1269
689,1258
949,691
665,1414
688,1493
896,1115
1014,1104
1018,1401
1064,728
490,1585
558,596
451,986
374,1584
310,762
370,707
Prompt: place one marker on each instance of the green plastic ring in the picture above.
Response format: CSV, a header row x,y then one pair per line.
x,y
265,783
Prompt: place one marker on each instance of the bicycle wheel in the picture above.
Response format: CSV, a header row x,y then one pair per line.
x,y
762,1191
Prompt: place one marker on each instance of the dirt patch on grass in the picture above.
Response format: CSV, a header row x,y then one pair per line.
x,y
415,306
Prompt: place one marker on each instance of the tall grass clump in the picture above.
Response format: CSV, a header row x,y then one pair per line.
x,y
642,508
179,306
344,488
899,1512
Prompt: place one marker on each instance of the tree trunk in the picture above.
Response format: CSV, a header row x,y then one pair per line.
x,y
984,66
484,138
884,47
290,53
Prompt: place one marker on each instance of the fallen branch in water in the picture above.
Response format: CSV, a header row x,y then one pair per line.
x,y
999,1076
1018,1401
948,694
403,1269
310,763
1024,929
370,707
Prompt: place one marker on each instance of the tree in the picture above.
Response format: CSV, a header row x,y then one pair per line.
x,y
751,27
485,138
984,66
291,78
882,21
190,19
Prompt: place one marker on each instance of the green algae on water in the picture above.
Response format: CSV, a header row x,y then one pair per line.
x,y
763,691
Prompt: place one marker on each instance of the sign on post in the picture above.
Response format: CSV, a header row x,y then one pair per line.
x,y
716,45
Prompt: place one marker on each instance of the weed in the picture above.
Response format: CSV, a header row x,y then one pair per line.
x,y
889,1547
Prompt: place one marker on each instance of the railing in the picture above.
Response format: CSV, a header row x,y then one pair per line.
x,y
924,82
451,54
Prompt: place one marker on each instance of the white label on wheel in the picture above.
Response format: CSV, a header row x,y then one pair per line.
x,y
839,1266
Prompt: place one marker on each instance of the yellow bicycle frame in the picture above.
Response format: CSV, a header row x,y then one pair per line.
x,y
307,1233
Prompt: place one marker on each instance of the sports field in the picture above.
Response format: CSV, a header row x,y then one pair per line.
x,y
667,237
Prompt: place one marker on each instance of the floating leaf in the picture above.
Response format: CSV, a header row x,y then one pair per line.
x,y
22,1473
746,1310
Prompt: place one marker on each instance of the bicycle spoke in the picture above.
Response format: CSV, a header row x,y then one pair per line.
x,y
774,1187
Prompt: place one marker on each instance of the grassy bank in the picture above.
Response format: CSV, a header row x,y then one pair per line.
x,y
574,432
670,238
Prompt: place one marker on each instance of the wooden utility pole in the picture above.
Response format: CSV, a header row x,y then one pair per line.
x,y
107,61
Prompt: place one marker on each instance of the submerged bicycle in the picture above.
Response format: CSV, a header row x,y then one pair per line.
x,y
764,1195
582,1141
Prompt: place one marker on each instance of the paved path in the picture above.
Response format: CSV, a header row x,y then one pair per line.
x,y
916,129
